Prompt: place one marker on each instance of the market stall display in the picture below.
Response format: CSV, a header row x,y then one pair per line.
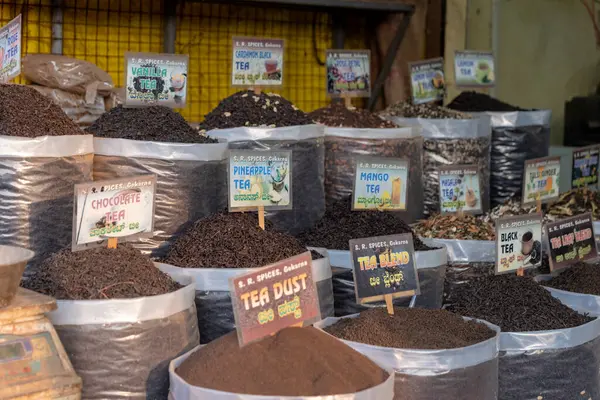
x,y
434,353
306,144
340,224
113,306
450,138
353,133
547,349
43,154
190,168
517,135
228,244
294,363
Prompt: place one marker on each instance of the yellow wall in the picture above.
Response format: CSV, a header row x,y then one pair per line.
x,y
100,31
546,54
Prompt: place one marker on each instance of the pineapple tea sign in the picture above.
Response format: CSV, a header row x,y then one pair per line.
x,y
380,183
260,179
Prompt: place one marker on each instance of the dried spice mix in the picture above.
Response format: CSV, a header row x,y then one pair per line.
x,y
338,115
464,227
409,110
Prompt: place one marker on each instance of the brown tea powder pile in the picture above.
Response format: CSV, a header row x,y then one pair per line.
x,y
338,115
231,240
411,328
578,278
25,112
293,362
100,273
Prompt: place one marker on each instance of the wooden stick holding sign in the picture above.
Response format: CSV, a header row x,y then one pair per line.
x,y
261,217
389,302
112,242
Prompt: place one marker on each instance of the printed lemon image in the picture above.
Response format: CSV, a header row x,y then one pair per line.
x,y
484,73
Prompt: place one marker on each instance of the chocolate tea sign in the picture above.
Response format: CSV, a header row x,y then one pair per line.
x,y
384,266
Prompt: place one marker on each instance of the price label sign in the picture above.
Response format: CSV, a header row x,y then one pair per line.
x,y
427,80
541,180
586,164
260,179
474,69
10,50
118,208
460,189
257,62
384,266
518,243
269,299
571,240
156,79
380,183
348,73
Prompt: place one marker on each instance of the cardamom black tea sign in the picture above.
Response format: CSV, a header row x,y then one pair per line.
x,y
571,240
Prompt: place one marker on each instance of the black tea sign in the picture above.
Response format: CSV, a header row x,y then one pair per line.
x,y
384,266
571,240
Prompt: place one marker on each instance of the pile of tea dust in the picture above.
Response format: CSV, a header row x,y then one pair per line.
x,y
99,274
578,278
293,362
340,224
411,328
232,240
515,304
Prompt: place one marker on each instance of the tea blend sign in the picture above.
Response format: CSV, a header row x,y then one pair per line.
x,y
384,266
474,69
380,183
117,208
586,164
260,179
269,299
541,180
10,50
156,79
427,80
257,62
518,242
571,240
348,73
460,189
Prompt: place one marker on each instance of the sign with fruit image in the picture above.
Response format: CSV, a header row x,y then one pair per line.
x,y
260,179
427,80
474,69
541,180
380,183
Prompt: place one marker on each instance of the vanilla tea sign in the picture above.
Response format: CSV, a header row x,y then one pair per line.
x,y
518,242
260,179
541,180
380,183
156,79
571,240
118,208
384,266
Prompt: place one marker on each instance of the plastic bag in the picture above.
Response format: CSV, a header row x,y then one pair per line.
x,y
306,144
74,105
431,268
342,145
122,348
66,73
452,142
181,390
190,181
466,373
561,364
213,299
466,251
37,177
516,136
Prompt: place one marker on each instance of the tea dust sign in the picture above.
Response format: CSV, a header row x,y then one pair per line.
x,y
10,50
384,266
427,80
380,183
269,299
257,62
156,79
260,179
518,243
474,69
118,208
348,73
571,240
541,180
460,189
586,166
